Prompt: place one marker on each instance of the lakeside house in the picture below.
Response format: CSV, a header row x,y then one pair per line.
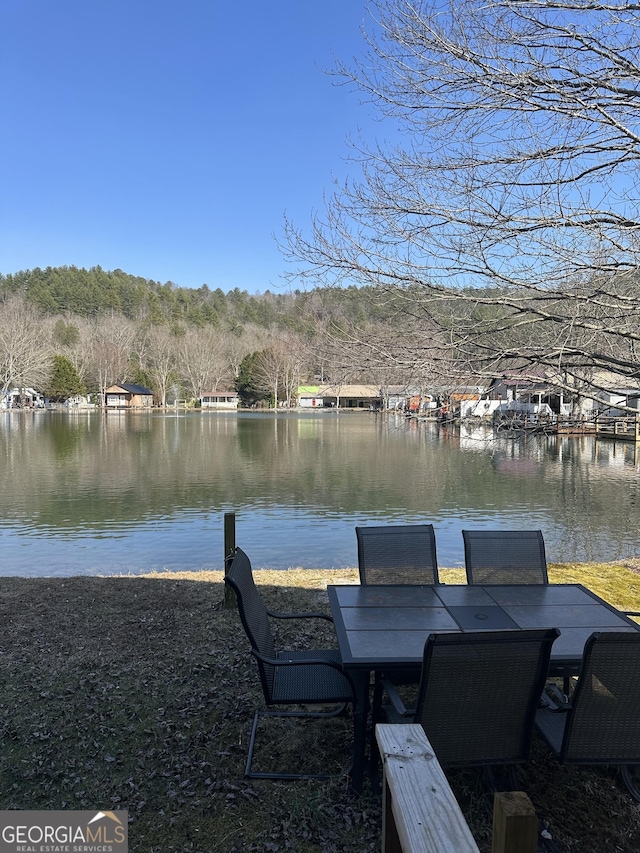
x,y
525,392
22,398
339,396
409,398
79,401
221,399
126,395
520,391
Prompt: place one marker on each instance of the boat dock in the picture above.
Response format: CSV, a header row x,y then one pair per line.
x,y
620,427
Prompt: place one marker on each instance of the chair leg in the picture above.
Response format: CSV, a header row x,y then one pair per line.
x,y
374,764
625,772
512,778
374,752
252,774
378,690
489,779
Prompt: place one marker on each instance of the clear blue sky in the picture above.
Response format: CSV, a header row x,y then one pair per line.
x,y
168,138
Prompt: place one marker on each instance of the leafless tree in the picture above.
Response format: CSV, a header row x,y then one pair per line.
x,y
107,342
240,343
203,360
162,348
25,350
276,370
404,347
296,364
505,210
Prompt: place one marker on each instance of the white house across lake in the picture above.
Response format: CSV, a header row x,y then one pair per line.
x,y
220,399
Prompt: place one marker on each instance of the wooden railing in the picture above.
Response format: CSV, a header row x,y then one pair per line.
x,y
626,426
420,813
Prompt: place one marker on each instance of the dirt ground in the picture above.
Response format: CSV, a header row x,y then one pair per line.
x,y
138,693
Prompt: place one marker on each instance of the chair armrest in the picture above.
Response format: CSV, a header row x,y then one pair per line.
x,y
300,615
396,700
297,661
560,702
307,662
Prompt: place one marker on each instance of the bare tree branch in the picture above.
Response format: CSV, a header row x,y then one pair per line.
x,y
508,213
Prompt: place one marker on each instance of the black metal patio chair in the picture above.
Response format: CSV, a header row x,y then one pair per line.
x,y
291,677
508,557
468,716
505,556
397,553
601,723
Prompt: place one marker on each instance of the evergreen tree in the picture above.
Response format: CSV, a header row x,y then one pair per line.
x,y
64,381
247,384
65,334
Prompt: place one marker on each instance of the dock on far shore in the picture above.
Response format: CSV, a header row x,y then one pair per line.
x,y
622,427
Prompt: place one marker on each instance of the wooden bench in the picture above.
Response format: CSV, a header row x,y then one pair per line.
x,y
420,813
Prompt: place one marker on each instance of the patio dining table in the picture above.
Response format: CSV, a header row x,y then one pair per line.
x,y
385,627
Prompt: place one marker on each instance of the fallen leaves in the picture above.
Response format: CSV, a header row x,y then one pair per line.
x,y
140,693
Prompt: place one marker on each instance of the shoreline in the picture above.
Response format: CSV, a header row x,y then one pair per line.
x,y
618,582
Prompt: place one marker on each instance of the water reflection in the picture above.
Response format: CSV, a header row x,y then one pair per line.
x,y
98,493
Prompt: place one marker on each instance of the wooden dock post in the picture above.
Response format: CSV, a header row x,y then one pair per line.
x,y
229,550
515,825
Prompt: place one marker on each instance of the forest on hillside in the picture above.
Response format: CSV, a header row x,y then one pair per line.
x,y
68,330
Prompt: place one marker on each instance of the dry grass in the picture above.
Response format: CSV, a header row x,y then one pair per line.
x,y
138,693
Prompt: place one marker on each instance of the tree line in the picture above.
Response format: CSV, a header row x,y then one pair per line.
x,y
67,331
265,345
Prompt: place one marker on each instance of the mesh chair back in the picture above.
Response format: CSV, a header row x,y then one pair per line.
x,y
254,616
397,553
479,692
603,726
505,556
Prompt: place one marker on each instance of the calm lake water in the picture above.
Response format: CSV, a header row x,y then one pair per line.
x,y
97,493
